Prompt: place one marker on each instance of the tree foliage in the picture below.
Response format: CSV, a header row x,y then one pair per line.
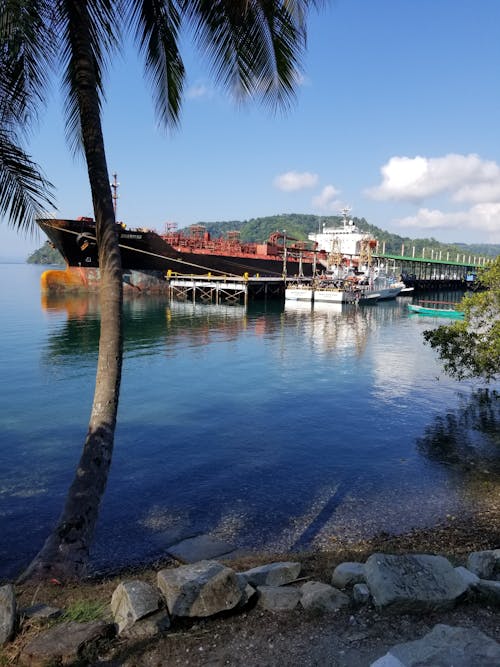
x,y
47,254
471,348
299,225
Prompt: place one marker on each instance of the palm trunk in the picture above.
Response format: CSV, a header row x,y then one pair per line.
x,y
65,553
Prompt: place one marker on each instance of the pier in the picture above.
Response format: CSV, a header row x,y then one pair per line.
x,y
422,273
434,272
225,289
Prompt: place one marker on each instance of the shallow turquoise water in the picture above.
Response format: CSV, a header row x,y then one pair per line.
x,y
275,427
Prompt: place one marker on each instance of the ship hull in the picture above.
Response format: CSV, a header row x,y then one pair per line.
x,y
145,250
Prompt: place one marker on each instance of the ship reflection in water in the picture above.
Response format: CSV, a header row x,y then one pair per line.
x,y
275,427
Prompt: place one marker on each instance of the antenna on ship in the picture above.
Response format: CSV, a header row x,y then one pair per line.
x,y
345,213
114,193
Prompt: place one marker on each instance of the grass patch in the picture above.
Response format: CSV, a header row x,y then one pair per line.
x,y
84,611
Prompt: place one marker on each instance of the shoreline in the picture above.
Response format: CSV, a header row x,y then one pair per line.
x,y
256,637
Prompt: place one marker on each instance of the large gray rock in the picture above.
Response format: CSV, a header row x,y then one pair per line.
x,y
201,547
488,591
348,574
147,627
360,593
469,577
486,564
247,591
41,612
67,644
444,646
278,598
7,612
201,589
133,600
413,583
273,574
317,596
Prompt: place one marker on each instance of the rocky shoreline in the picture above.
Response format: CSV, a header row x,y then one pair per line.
x,y
382,609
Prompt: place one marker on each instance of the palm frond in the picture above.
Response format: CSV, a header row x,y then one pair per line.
x,y
27,50
156,24
255,45
24,191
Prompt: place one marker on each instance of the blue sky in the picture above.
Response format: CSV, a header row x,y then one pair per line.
x,y
397,116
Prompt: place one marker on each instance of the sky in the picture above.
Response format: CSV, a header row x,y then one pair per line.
x,y
397,116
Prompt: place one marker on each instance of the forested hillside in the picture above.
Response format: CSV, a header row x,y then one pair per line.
x,y
300,225
46,255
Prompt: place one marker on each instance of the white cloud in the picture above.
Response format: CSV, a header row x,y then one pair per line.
x,y
300,79
327,199
291,181
481,219
467,178
197,91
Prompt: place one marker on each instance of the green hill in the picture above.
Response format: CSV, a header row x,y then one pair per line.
x,y
300,225
46,255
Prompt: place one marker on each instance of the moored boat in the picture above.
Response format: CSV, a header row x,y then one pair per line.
x,y
436,309
188,253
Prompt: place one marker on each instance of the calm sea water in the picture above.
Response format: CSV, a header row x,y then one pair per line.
x,y
276,427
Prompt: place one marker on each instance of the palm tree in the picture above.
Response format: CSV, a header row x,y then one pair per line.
x,y
254,47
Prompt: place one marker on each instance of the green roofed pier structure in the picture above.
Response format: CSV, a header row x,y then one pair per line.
x,y
434,272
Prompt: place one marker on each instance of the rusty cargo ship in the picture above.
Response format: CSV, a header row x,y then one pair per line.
x,y
188,252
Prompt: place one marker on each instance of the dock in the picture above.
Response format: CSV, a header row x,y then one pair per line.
x,y
434,272
227,289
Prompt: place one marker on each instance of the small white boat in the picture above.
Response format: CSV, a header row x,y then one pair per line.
x,y
299,293
322,291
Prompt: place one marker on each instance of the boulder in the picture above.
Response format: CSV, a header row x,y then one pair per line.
x,y
201,589
488,591
486,564
273,574
469,577
317,596
360,593
247,591
445,646
133,600
201,547
348,574
147,627
7,612
278,598
41,612
413,583
67,644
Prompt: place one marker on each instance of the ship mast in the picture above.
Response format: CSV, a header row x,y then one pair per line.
x,y
114,193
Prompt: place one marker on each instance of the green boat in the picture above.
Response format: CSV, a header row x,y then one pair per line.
x,y
436,309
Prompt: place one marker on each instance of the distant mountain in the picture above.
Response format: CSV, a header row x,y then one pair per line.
x,y
46,255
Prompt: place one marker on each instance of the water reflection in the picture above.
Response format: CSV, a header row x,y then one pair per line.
x,y
467,439
340,328
274,426
147,322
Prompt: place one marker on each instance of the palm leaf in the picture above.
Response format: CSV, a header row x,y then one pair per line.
x,y
27,49
156,25
255,45
24,192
